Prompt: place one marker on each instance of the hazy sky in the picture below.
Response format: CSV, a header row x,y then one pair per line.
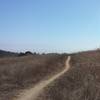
x,y
49,25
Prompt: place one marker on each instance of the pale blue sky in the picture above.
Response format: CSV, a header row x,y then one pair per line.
x,y
49,25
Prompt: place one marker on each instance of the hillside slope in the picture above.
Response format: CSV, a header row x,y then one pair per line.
x,y
19,73
7,54
81,82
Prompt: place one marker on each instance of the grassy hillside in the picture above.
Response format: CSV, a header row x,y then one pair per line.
x,y
18,73
81,82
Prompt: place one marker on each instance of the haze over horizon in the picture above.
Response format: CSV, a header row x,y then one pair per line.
x,y
49,25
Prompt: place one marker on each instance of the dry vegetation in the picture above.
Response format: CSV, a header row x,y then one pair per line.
x,y
18,73
81,82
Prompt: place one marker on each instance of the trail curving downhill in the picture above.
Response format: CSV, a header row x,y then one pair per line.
x,y
33,93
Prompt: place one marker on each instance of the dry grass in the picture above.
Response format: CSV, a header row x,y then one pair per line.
x,y
17,73
81,82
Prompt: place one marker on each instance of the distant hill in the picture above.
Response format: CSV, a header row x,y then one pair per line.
x,y
7,53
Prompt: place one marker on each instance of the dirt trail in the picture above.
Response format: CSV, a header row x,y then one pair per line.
x,y
33,93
